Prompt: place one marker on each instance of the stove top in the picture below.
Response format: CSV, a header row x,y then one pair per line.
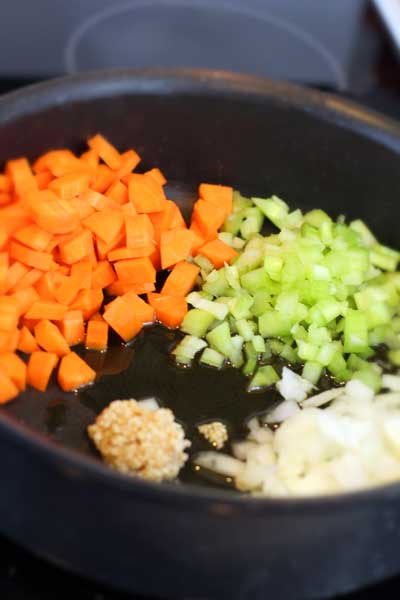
x,y
375,82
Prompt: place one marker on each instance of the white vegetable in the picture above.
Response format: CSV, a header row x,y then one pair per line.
x,y
391,382
322,398
284,410
220,463
149,404
292,386
357,389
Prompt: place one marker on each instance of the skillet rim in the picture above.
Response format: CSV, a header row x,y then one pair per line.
x,y
159,81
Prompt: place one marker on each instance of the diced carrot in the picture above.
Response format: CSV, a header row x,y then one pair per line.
x,y
118,192
32,258
76,249
146,194
53,311
40,368
4,270
128,210
155,258
103,178
5,198
157,175
91,158
177,220
219,195
14,274
175,246
8,389
8,313
106,224
135,270
122,319
5,183
71,185
107,152
119,288
139,231
51,213
58,162
30,324
34,237
13,217
125,253
66,292
73,373
72,327
46,285
82,207
25,298
198,242
21,175
50,338
89,301
27,342
43,179
208,218
218,253
9,340
103,275
170,310
82,273
96,335
143,311
28,280
104,248
181,279
129,161
14,368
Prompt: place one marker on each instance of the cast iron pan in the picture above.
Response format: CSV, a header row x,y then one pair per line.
x,y
185,539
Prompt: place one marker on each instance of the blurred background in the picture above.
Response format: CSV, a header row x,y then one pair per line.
x,y
351,47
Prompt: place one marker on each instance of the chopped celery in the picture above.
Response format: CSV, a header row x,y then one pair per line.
x,y
264,377
273,208
288,353
217,309
236,354
312,371
212,358
316,218
204,264
274,324
252,223
239,202
355,331
197,322
251,359
233,223
261,303
385,258
240,306
254,281
220,339
187,348
394,357
226,237
245,329
370,378
258,343
366,235
216,283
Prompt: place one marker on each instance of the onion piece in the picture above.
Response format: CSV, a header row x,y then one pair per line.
x,y
219,463
323,398
292,386
283,411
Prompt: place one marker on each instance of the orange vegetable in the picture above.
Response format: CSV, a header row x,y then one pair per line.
x,y
82,273
89,301
219,195
106,151
198,242
8,313
15,368
135,270
139,231
27,342
76,249
141,309
146,194
91,158
175,246
29,279
103,275
25,298
40,367
66,292
106,224
5,183
103,248
4,237
50,338
81,206
32,258
68,186
122,320
96,335
208,218
22,178
51,213
13,217
5,198
43,179
73,373
104,177
129,161
170,310
181,279
124,253
218,253
34,237
119,288
43,309
118,192
157,175
8,389
58,162
9,341
13,274
72,327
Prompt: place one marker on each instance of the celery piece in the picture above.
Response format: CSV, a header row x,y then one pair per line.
x,y
337,364
287,301
274,324
331,309
233,223
288,353
212,358
258,343
318,335
226,237
342,376
197,322
364,232
276,346
355,331
273,208
239,202
394,357
306,351
238,243
220,339
261,303
252,223
187,348
264,377
312,371
370,378
293,220
383,257
299,332
273,266
250,259
316,217
254,281
326,353
245,329
240,306
309,231
236,355
203,262
216,283
378,314
232,276
251,359
293,270
381,335
217,309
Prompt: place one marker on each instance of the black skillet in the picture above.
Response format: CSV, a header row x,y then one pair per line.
x,y
179,539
